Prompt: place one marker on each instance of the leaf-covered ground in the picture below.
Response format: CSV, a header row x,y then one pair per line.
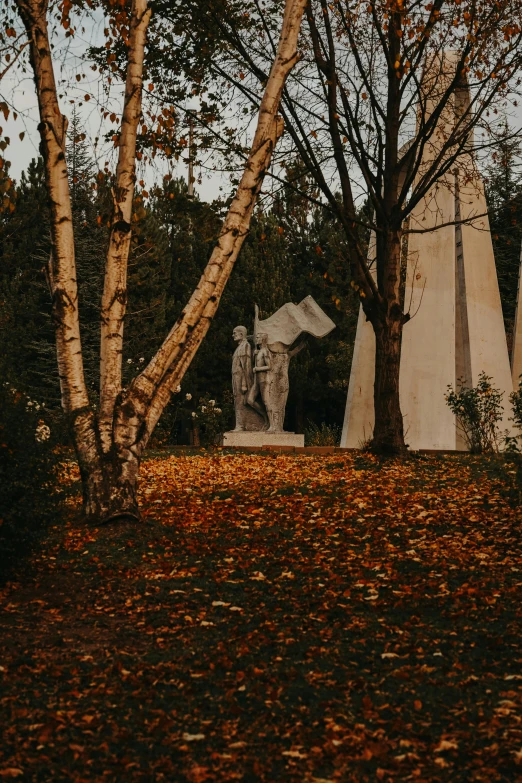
x,y
278,618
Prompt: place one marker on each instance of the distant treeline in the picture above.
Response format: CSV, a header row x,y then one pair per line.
x,y
294,249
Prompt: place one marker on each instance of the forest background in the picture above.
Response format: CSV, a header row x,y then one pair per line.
x,y
295,248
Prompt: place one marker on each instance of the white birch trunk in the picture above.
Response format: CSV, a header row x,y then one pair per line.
x,y
151,390
62,267
114,300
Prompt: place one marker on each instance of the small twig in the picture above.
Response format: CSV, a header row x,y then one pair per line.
x,y
15,58
422,295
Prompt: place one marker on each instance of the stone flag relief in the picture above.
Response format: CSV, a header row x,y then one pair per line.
x,y
291,320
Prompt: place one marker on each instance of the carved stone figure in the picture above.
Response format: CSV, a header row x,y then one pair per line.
x,y
260,377
263,377
248,417
271,369
280,359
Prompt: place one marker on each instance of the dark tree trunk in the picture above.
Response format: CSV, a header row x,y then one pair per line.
x,y
195,439
109,481
388,437
111,493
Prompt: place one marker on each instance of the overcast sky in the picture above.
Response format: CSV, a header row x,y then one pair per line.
x,y
70,60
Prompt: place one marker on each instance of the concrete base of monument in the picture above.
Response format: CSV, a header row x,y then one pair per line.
x,y
245,440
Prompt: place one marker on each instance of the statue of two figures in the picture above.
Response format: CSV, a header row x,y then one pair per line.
x,y
260,364
260,382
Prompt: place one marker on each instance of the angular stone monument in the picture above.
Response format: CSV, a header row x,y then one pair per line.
x,y
457,330
260,373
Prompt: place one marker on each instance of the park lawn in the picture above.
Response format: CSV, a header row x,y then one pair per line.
x,y
275,618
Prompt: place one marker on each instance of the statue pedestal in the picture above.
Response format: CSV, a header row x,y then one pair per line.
x,y
246,440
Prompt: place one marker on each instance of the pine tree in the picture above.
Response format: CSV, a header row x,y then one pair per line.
x,y
26,330
504,193
88,194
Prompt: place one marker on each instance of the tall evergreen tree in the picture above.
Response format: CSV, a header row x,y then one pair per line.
x,y
504,192
89,195
26,331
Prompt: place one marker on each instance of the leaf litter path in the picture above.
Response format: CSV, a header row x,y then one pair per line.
x,y
285,618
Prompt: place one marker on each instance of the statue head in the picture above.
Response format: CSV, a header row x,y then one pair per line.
x,y
261,339
239,333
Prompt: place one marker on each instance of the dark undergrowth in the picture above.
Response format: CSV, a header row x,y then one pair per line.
x,y
30,493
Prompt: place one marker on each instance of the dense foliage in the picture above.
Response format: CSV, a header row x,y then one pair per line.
x,y
504,193
28,463
478,410
293,250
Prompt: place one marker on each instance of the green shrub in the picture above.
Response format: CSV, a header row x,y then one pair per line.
x,y
28,464
478,410
210,420
325,435
513,444
515,399
203,422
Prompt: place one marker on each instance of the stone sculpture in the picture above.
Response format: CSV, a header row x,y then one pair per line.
x,y
263,376
271,369
249,414
260,372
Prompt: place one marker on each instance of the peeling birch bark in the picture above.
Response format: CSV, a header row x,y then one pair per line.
x,y
109,486
151,390
114,300
62,267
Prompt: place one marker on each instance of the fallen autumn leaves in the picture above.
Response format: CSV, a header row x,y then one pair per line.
x,y
288,618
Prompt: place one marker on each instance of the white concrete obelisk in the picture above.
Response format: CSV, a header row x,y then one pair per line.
x,y
359,416
457,329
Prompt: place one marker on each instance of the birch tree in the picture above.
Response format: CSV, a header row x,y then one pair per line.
x,y
109,444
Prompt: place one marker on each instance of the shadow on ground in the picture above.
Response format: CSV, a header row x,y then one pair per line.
x,y
286,618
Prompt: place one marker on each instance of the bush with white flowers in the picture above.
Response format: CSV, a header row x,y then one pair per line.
x,y
201,419
42,432
210,421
